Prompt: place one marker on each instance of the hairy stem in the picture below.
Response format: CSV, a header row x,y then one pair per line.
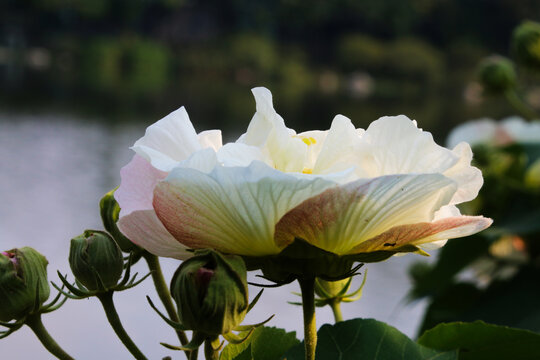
x,y
34,322
307,287
108,305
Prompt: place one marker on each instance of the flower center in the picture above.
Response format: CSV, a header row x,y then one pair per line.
x,y
309,140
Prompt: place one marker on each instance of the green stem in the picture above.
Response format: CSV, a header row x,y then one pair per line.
x,y
108,305
163,292
520,105
34,322
336,309
211,351
307,287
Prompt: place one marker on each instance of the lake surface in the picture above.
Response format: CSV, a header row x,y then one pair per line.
x,y
53,171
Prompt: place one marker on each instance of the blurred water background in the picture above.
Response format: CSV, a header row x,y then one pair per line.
x,y
81,80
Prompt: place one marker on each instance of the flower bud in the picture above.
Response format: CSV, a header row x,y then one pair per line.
x,y
532,175
526,44
110,210
331,289
23,282
497,74
95,256
210,290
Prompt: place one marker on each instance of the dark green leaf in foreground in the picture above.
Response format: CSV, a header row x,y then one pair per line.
x,y
479,341
367,339
266,343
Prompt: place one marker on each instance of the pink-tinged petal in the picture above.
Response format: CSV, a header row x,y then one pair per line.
x,y
343,217
168,141
136,191
424,233
144,229
231,209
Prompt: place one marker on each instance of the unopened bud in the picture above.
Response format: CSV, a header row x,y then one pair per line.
x,y
331,289
497,74
23,282
526,44
532,175
210,290
95,259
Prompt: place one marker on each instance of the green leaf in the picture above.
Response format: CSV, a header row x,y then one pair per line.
x,y
266,343
367,339
237,352
479,341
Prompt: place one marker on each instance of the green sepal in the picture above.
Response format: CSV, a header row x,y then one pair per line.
x,y
196,341
301,259
110,212
173,324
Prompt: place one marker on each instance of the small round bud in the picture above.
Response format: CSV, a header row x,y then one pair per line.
x,y
210,290
23,282
331,289
95,256
110,210
497,74
526,44
532,175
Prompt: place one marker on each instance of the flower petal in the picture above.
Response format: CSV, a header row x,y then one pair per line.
x,y
210,139
232,209
473,132
267,131
425,232
144,229
315,140
169,141
343,217
520,130
238,154
394,145
468,178
339,149
136,191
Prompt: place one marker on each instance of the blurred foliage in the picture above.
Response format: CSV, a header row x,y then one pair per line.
x,y
141,59
502,263
493,275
